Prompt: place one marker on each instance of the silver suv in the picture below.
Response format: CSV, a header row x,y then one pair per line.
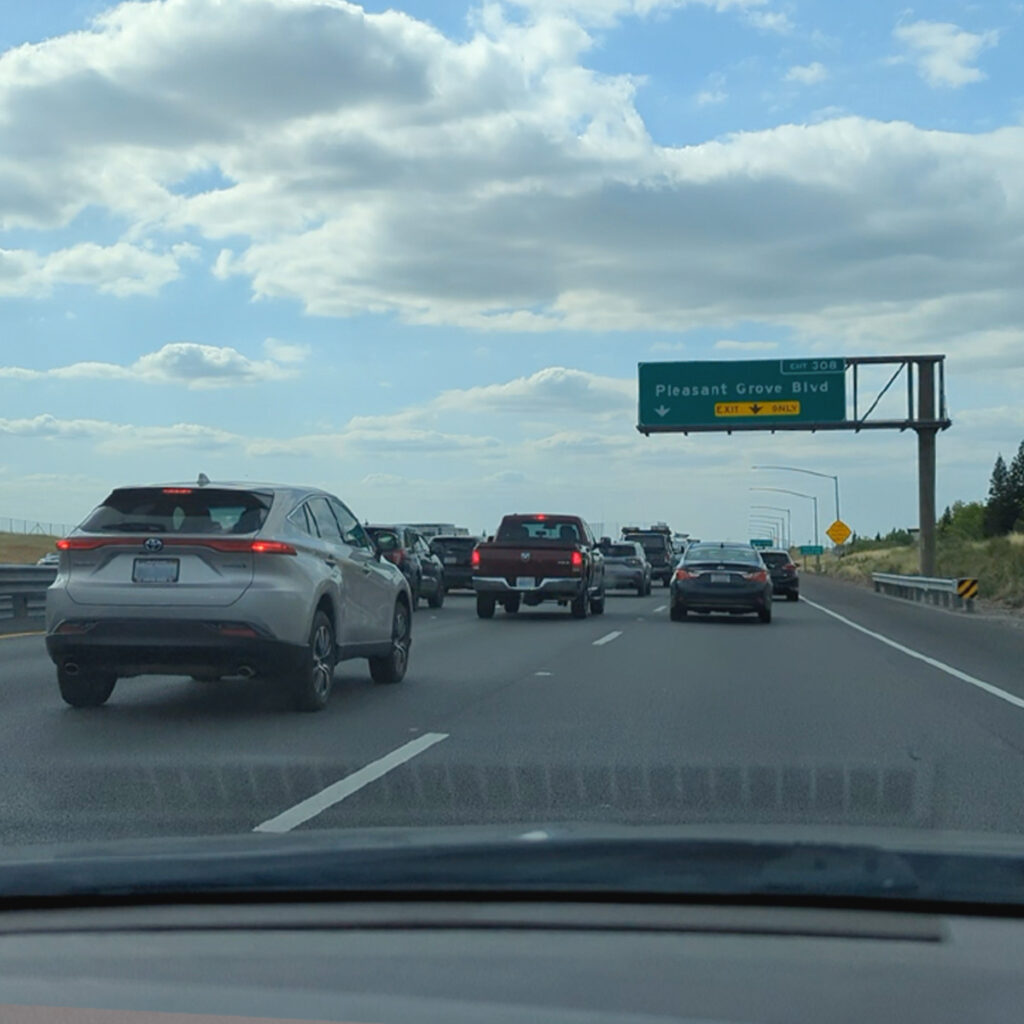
x,y
213,580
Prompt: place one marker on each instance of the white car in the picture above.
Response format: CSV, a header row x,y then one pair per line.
x,y
213,580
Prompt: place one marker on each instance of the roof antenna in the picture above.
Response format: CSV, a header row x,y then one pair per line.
x,y
203,480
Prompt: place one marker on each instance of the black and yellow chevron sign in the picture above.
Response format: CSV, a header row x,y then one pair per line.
x,y
967,589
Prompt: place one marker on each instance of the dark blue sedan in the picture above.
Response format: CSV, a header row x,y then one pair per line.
x,y
719,576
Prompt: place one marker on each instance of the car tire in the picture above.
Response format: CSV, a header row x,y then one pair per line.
x,y
597,604
85,689
580,606
485,607
512,605
765,613
641,591
793,595
311,689
666,582
417,592
650,588
391,668
677,612
437,598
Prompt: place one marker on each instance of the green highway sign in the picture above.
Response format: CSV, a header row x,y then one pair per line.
x,y
724,395
760,542
812,549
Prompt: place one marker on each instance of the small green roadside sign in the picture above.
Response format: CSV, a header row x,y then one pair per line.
x,y
761,542
812,549
724,395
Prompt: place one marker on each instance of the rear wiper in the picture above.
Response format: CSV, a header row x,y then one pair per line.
x,y
130,527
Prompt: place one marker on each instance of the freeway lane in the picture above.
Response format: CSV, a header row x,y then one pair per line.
x,y
623,717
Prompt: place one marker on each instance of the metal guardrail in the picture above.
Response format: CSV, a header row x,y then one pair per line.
x,y
949,593
23,593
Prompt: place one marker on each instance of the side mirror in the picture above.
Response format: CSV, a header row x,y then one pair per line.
x,y
796,565
604,541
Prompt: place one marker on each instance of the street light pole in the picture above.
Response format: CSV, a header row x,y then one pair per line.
x,y
776,526
799,494
789,519
810,472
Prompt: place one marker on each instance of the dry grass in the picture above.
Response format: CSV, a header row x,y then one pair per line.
x,y
24,548
997,563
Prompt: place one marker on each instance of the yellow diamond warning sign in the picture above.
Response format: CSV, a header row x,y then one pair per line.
x,y
839,532
756,409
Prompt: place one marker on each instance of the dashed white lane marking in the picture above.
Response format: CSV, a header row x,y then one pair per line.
x,y
661,608
543,673
1010,698
608,638
343,788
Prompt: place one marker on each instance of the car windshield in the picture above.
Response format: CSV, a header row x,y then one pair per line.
x,y
305,303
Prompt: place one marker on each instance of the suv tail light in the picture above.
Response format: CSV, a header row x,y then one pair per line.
x,y
789,567
271,547
577,559
257,547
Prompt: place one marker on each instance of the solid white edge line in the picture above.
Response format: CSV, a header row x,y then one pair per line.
x,y
608,638
1017,702
661,608
343,788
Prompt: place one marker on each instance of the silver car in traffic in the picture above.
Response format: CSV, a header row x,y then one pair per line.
x,y
212,580
626,566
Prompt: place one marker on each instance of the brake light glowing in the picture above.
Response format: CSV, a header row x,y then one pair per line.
x,y
177,490
474,559
271,547
577,559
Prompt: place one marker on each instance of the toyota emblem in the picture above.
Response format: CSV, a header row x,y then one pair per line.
x,y
153,544
524,555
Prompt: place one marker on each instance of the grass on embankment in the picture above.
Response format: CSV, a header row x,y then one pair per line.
x,y
24,548
998,563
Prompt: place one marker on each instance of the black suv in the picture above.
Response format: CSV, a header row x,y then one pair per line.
x,y
783,571
421,567
658,549
456,554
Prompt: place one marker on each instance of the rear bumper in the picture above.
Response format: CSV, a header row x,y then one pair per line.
x,y
615,578
786,585
662,572
554,587
722,598
131,647
458,576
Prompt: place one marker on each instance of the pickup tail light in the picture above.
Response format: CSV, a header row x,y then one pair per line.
x,y
577,559
474,559
757,576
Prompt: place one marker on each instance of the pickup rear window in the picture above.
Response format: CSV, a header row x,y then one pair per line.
x,y
561,531
179,510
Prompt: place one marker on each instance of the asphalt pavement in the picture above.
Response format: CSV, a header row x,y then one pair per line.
x,y
850,708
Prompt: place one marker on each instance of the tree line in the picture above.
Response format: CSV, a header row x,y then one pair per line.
x,y
1001,513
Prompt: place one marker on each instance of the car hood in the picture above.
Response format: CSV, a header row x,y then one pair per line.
x,y
757,863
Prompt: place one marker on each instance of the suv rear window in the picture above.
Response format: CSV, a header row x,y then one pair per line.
x,y
620,551
179,510
455,544
775,559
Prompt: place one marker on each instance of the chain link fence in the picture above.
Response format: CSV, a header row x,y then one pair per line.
x,y
42,527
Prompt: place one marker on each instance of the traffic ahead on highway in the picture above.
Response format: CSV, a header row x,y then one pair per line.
x,y
511,511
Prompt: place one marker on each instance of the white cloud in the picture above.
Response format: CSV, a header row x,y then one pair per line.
x,y
286,351
726,345
807,74
710,97
181,362
945,54
121,269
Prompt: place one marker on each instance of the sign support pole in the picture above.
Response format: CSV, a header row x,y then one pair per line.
x,y
926,466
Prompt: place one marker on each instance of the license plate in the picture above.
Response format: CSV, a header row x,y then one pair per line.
x,y
721,577
451,560
524,583
155,570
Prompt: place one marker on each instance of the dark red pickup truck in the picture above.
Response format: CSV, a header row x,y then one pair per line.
x,y
535,558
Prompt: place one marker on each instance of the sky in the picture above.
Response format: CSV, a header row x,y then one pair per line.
x,y
413,254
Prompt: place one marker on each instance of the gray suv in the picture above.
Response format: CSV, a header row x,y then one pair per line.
x,y
213,580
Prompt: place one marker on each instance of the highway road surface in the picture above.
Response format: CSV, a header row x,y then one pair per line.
x,y
849,708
